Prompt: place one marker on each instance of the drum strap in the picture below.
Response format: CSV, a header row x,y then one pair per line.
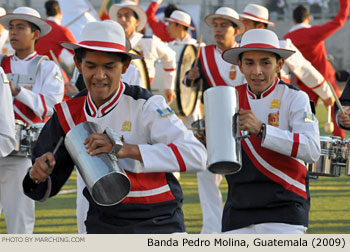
x,y
282,169
22,79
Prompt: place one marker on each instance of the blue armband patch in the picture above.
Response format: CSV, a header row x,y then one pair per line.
x,y
165,112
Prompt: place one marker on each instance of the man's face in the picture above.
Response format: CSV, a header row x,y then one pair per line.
x,y
260,69
21,35
101,72
127,20
249,24
172,29
223,31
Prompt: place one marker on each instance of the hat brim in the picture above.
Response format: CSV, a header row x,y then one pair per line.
x,y
180,22
113,11
232,55
209,20
74,46
44,27
257,19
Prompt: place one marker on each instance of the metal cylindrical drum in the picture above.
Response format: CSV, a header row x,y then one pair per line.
x,y
107,183
327,164
224,151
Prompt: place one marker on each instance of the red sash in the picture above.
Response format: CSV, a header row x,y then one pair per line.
x,y
280,168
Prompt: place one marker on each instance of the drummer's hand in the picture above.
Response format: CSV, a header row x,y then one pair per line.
x,y
170,95
193,74
42,168
70,89
14,90
329,101
344,119
98,143
249,122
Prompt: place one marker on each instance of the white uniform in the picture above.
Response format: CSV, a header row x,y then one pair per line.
x,y
304,71
153,49
132,77
30,106
7,119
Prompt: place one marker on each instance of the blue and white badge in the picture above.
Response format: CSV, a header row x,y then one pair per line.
x,y
165,112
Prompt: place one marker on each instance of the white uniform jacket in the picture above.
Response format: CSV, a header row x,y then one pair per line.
x,y
272,185
7,120
152,49
33,105
164,142
214,71
304,71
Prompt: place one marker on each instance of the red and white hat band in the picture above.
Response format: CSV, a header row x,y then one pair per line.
x,y
249,14
103,44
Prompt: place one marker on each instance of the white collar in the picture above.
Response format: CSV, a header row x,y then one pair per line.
x,y
135,38
54,20
29,57
299,26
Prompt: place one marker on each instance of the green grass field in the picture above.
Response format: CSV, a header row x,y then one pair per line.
x,y
330,203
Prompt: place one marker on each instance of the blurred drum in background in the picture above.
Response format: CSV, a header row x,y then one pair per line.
x,y
140,64
186,97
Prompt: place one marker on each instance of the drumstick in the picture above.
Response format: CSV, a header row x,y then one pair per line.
x,y
58,64
197,57
336,98
57,146
329,126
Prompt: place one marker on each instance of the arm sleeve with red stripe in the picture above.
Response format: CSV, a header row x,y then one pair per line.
x,y
7,120
302,139
305,71
172,147
168,58
49,79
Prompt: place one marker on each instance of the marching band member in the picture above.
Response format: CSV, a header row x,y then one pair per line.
x,y
178,24
133,19
255,16
270,194
36,85
310,40
57,34
7,120
156,142
214,71
158,27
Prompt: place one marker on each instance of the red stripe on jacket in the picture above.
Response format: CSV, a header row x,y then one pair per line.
x,y
178,156
139,181
213,70
287,165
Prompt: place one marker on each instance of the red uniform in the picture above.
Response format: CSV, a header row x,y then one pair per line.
x,y
310,41
158,27
52,41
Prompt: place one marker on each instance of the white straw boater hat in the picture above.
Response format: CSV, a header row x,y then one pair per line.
x,y
226,13
113,13
256,40
181,18
27,14
105,36
257,13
